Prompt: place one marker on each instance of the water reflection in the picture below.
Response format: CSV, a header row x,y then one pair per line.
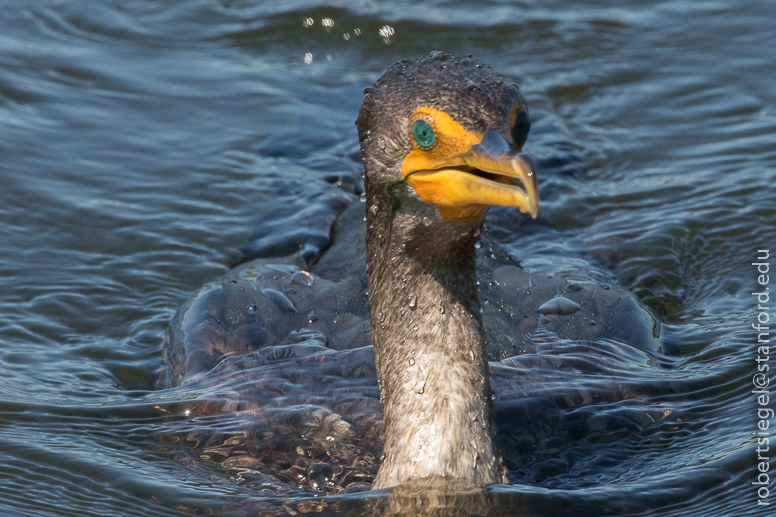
x,y
141,142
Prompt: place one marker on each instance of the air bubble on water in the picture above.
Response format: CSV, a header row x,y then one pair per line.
x,y
308,58
362,198
252,309
412,361
302,278
477,245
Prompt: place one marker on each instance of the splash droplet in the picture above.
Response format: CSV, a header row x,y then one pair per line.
x,y
387,33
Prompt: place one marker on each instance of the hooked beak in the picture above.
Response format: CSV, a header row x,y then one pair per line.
x,y
488,173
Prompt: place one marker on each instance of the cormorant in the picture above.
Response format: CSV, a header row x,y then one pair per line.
x,y
441,141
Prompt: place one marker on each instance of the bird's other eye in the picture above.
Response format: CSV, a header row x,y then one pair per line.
x,y
423,133
521,128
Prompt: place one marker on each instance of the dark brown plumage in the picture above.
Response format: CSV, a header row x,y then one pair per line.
x,y
432,340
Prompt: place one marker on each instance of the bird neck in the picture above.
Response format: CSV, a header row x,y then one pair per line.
x,y
429,350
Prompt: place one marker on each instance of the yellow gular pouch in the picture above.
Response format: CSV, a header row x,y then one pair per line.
x,y
450,169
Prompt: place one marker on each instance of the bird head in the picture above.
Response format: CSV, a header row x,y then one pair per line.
x,y
447,131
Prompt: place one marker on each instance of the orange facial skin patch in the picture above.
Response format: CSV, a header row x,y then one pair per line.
x,y
460,196
463,181
452,140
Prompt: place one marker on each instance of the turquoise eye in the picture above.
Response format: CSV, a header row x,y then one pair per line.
x,y
521,128
423,133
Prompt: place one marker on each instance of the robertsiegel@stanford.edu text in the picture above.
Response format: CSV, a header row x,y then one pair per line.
x,y
762,378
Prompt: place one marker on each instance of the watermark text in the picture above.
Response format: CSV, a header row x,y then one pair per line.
x,y
762,379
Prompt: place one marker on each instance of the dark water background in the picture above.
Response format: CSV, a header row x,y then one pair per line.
x,y
140,141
